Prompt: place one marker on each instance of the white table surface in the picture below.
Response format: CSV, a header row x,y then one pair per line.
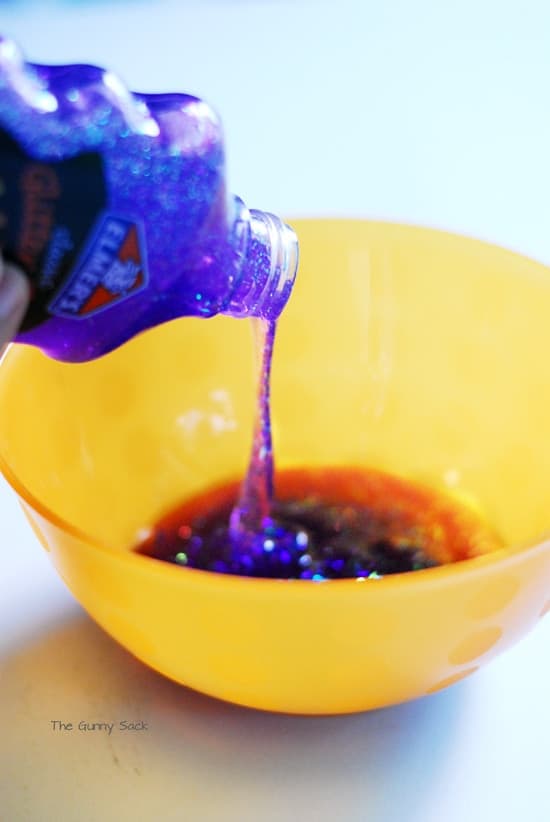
x,y
428,112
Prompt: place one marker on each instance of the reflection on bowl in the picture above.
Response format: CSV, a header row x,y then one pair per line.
x,y
413,351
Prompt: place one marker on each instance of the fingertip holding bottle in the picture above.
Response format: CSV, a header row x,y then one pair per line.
x,y
14,297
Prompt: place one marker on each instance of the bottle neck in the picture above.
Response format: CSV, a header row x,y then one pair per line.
x,y
268,270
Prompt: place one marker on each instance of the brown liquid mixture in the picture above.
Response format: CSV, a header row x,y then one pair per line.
x,y
324,523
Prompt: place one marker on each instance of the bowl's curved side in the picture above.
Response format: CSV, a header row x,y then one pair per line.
x,y
305,648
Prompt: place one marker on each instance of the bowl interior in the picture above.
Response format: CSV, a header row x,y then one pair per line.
x,y
410,350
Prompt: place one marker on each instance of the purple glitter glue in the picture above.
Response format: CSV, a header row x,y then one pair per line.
x,y
115,206
252,514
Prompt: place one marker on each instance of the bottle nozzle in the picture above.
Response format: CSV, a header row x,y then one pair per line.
x,y
269,269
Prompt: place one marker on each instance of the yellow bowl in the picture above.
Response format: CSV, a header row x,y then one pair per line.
x,y
409,350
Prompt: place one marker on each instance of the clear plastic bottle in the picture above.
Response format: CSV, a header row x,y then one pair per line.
x,y
115,206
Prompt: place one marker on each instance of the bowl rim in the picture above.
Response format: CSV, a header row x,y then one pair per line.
x,y
426,576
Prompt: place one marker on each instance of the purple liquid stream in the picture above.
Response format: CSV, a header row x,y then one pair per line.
x,y
301,538
252,513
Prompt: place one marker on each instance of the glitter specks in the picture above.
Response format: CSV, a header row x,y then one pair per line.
x,y
301,541
330,524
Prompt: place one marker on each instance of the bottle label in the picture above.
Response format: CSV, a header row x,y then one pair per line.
x,y
111,268
53,224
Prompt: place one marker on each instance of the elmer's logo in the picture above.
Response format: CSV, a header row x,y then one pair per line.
x,y
111,268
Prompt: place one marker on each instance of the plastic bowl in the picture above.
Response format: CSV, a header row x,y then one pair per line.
x,y
413,351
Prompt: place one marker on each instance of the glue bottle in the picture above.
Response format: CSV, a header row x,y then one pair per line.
x,y
114,204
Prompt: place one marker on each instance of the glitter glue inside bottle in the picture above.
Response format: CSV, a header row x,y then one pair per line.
x,y
114,205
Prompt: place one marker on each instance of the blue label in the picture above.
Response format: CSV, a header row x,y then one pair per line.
x,y
111,268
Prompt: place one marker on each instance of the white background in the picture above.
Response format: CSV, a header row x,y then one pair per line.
x,y
429,112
